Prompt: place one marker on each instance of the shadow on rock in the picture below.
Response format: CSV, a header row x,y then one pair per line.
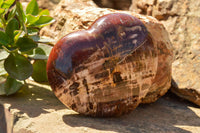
x,y
33,100
165,115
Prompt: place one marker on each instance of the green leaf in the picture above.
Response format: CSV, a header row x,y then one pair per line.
x,y
11,49
44,12
39,51
1,2
30,52
18,66
46,48
32,19
32,8
2,90
32,31
6,4
11,14
2,11
20,14
43,21
4,39
2,70
44,40
25,44
39,71
12,85
11,27
3,54
2,83
43,46
38,54
38,57
1,25
35,37
17,34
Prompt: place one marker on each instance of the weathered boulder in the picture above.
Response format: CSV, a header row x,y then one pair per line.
x,y
181,19
142,6
114,4
45,4
72,16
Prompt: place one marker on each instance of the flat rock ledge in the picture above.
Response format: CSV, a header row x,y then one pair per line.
x,y
37,110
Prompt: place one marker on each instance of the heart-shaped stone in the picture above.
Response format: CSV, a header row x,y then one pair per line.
x,y
105,70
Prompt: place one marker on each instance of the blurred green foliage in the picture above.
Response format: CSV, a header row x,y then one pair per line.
x,y
23,53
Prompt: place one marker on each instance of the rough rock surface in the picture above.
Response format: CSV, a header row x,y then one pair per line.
x,y
37,110
45,4
182,20
6,120
114,4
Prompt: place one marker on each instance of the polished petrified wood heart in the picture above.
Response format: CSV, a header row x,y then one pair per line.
x,y
105,70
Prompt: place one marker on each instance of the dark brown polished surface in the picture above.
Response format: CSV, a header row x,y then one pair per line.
x,y
105,70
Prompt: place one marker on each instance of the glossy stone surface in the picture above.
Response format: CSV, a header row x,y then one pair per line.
x,y
106,70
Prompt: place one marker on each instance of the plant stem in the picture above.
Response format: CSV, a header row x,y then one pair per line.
x,y
2,59
6,49
3,22
21,18
25,82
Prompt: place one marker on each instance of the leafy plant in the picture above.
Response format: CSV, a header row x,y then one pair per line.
x,y
23,52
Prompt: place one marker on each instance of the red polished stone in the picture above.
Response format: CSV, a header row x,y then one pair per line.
x,y
105,70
